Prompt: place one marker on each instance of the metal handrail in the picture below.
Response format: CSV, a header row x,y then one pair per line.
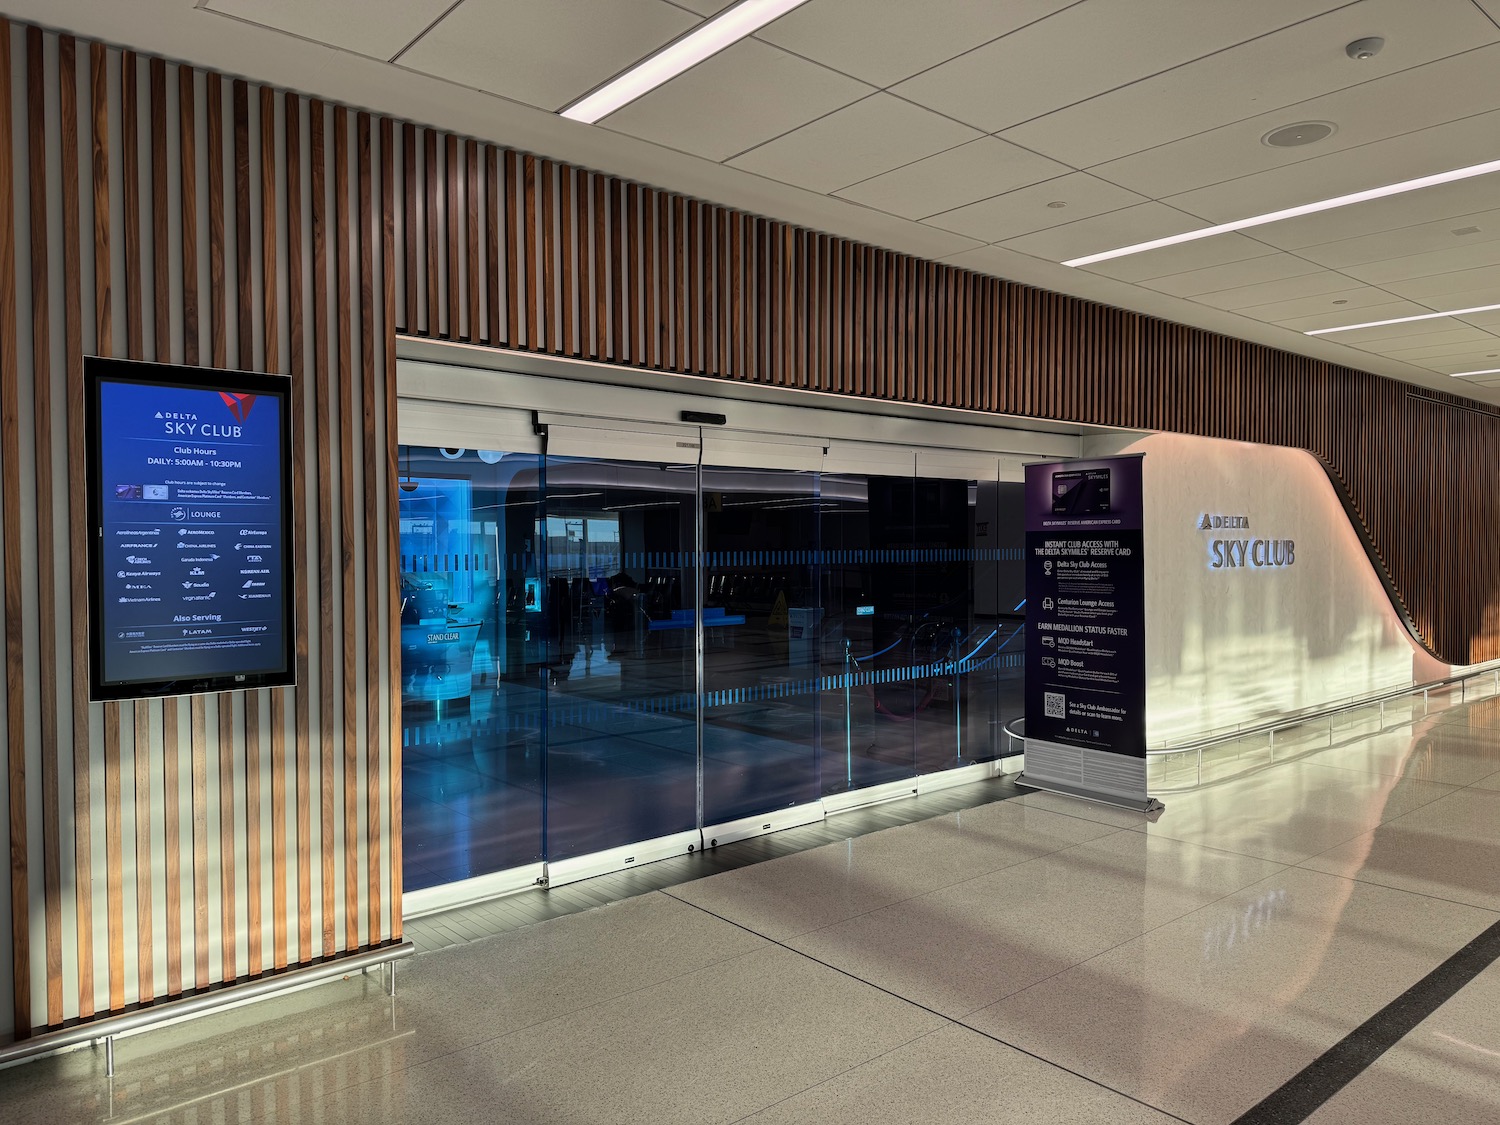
x,y
1016,728
202,1003
1302,718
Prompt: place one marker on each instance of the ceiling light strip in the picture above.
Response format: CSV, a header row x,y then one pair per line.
x,y
1402,320
1486,371
703,42
1293,212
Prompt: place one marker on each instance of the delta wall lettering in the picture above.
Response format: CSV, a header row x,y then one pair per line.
x,y
1248,554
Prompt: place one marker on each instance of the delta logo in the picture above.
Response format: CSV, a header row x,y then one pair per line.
x,y
1208,522
239,404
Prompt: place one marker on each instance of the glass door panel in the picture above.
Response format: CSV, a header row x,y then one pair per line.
x,y
868,702
762,629
471,704
619,660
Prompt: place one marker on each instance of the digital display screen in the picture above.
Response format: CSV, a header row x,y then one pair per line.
x,y
189,474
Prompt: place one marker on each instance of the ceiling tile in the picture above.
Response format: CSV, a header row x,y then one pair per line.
x,y
1087,49
1233,275
976,170
884,41
1420,98
1184,257
1247,296
741,97
1282,68
1421,153
1402,242
378,28
1339,303
1460,290
1455,357
1387,311
859,141
492,45
1144,220
1462,255
1378,215
1027,209
1414,333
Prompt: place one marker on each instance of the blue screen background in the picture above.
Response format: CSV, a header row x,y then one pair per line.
x,y
192,562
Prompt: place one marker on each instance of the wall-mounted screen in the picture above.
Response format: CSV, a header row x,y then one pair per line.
x,y
190,529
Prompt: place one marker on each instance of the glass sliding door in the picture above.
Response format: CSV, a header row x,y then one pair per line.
x,y
868,702
616,608
762,630
471,700
645,631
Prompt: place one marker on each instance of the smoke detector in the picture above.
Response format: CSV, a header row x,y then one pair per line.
x,y
1362,49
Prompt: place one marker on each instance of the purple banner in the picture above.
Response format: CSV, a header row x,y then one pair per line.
x,y
1085,605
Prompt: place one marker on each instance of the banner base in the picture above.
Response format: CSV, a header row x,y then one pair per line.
x,y
1148,805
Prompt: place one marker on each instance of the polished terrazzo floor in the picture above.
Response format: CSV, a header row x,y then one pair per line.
x,y
1034,959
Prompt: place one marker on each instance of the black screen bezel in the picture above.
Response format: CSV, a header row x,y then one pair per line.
x,y
98,370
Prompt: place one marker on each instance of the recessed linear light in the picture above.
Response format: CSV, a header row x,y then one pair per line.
x,y
1402,320
1487,371
1292,212
703,42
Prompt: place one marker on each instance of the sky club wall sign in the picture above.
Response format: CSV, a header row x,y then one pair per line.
x,y
1245,553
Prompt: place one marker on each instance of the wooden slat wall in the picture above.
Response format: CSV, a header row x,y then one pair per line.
x,y
659,281
185,217
342,230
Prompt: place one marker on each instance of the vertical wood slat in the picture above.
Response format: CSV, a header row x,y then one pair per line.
x,y
616,273
629,312
565,262
409,227
323,426
547,298
582,273
453,213
245,339
197,714
15,683
602,347
141,754
171,747
373,468
512,262
103,344
393,515
430,218
533,312
77,521
663,327
348,641
296,362
277,697
471,231
496,336
41,334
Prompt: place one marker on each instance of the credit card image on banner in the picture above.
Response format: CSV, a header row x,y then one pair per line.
x,y
1080,492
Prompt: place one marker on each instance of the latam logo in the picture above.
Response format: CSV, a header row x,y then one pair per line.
x,y
239,404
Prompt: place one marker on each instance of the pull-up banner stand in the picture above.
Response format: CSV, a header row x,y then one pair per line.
x,y
1086,631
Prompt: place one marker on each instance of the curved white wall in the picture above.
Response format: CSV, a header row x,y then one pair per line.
x,y
1235,645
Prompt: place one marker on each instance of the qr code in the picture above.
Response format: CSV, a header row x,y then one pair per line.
x,y
1054,705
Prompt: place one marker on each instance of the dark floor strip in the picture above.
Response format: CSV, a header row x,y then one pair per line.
x,y
1301,1095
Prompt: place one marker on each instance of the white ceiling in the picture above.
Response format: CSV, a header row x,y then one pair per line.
x,y
954,128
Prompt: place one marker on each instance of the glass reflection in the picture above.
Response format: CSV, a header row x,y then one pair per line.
x,y
857,629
